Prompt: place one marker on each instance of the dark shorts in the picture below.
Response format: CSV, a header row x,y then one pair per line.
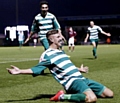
x,y
94,40
80,86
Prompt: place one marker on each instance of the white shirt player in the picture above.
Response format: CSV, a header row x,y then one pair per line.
x,y
72,35
20,36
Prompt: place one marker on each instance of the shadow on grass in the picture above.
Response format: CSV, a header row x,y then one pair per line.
x,y
46,74
40,96
89,58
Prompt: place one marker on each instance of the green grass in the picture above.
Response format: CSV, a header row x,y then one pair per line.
x,y
28,89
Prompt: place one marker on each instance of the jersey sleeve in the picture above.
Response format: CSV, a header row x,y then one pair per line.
x,y
42,65
99,29
55,23
35,27
88,31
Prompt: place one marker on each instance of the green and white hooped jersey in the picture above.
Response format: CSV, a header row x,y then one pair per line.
x,y
42,25
62,69
93,31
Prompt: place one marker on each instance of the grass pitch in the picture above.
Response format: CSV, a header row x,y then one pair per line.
x,y
28,89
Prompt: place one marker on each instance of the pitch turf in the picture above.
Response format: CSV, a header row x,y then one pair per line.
x,y
26,89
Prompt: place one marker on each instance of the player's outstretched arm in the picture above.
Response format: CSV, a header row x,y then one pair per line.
x,y
31,33
86,39
15,70
83,69
108,34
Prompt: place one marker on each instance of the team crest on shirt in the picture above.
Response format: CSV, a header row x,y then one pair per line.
x,y
42,59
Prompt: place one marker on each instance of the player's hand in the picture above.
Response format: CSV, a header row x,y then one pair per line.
x,y
83,69
26,41
108,34
85,41
14,70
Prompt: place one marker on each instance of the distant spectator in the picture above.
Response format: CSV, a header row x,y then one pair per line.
x,y
20,38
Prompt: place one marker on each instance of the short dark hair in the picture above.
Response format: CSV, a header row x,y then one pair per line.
x,y
43,2
51,32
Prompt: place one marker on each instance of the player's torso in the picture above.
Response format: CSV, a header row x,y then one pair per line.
x,y
71,34
21,36
93,31
45,24
63,69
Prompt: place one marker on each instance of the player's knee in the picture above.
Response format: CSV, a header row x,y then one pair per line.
x,y
108,93
91,99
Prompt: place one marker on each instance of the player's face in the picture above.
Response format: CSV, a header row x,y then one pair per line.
x,y
57,39
70,29
91,23
44,8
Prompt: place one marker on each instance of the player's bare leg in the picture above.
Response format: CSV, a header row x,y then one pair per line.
x,y
87,96
107,93
69,48
94,50
90,97
73,48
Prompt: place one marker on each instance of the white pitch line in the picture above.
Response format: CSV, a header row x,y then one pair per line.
x,y
19,60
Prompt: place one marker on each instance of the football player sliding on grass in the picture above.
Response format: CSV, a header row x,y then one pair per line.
x,y
77,87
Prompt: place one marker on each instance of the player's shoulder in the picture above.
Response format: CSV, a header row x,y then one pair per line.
x,y
96,26
38,16
44,55
89,28
46,52
50,14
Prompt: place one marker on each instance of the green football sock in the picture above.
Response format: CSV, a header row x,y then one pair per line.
x,y
94,51
75,97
